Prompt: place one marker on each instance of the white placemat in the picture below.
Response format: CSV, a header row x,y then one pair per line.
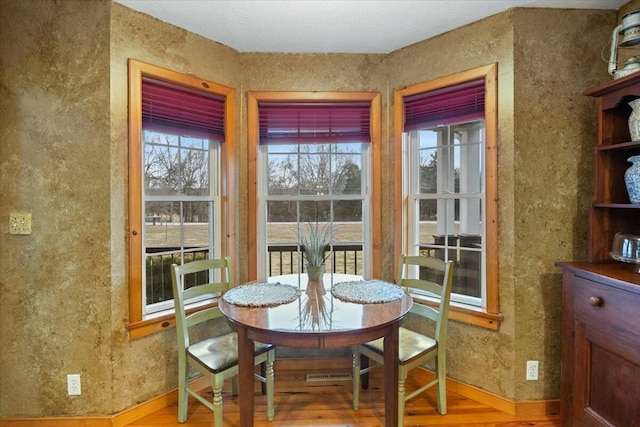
x,y
367,291
261,294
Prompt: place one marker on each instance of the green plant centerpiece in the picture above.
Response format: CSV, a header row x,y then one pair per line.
x,y
313,240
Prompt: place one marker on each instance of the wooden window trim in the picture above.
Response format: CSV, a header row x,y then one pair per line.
x,y
137,324
491,316
376,174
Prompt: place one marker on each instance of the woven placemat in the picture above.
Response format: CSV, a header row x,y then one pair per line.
x,y
261,295
367,291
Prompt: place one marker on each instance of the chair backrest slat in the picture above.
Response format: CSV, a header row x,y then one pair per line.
x,y
436,269
203,315
206,289
425,311
219,274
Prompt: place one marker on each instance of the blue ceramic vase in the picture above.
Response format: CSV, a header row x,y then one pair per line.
x,y
632,179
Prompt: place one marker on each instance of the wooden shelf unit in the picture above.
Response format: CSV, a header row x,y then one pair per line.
x,y
611,211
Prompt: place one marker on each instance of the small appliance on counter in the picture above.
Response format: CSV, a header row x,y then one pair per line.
x,y
626,248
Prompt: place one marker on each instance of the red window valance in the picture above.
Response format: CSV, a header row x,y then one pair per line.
x,y
453,104
314,122
173,108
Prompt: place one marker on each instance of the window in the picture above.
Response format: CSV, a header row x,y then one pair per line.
x,y
177,166
314,162
446,145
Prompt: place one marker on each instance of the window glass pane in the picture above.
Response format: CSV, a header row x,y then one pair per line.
x,y
160,163
468,267
194,167
315,211
471,216
282,174
428,138
196,224
348,236
282,237
468,157
348,226
282,233
162,225
314,169
348,211
158,276
346,169
348,232
282,211
282,225
428,171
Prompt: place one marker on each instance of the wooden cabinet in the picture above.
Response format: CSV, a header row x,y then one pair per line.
x,y
600,379
611,210
600,345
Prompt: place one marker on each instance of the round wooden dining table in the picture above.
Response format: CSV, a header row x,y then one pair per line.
x,y
317,319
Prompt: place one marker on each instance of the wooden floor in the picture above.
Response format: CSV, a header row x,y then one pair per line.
x,y
328,403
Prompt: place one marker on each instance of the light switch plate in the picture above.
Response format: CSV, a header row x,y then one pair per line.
x,y
20,223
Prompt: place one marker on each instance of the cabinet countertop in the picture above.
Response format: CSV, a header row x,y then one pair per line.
x,y
621,274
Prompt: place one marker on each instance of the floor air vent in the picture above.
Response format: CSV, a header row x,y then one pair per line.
x,y
328,377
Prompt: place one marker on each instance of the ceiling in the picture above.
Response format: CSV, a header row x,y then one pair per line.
x,y
333,26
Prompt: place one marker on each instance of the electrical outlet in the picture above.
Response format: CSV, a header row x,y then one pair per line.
x,y
532,370
73,385
20,223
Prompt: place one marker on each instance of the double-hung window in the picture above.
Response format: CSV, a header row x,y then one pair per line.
x,y
176,170
313,166
449,201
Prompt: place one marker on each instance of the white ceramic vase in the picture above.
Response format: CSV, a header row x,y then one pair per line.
x,y
632,179
634,120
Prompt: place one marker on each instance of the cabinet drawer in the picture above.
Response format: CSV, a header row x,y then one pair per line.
x,y
606,306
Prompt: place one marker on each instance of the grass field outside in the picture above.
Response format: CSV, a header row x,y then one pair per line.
x,y
160,235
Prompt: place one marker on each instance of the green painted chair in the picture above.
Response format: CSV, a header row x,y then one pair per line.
x,y
216,357
415,349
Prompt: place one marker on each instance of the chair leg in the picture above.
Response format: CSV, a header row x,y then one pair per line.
x,y
216,385
270,388
364,364
263,374
402,379
183,395
442,384
356,378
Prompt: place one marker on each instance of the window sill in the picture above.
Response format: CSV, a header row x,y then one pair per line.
x,y
163,320
467,314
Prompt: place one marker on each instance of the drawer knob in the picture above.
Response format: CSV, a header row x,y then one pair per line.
x,y
596,301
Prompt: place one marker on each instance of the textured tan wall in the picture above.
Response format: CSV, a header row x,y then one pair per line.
x,y
138,36
556,57
54,163
63,157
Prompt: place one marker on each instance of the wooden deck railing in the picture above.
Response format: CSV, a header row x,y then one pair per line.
x,y
282,259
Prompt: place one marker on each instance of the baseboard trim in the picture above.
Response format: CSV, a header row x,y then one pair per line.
x,y
526,408
328,365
